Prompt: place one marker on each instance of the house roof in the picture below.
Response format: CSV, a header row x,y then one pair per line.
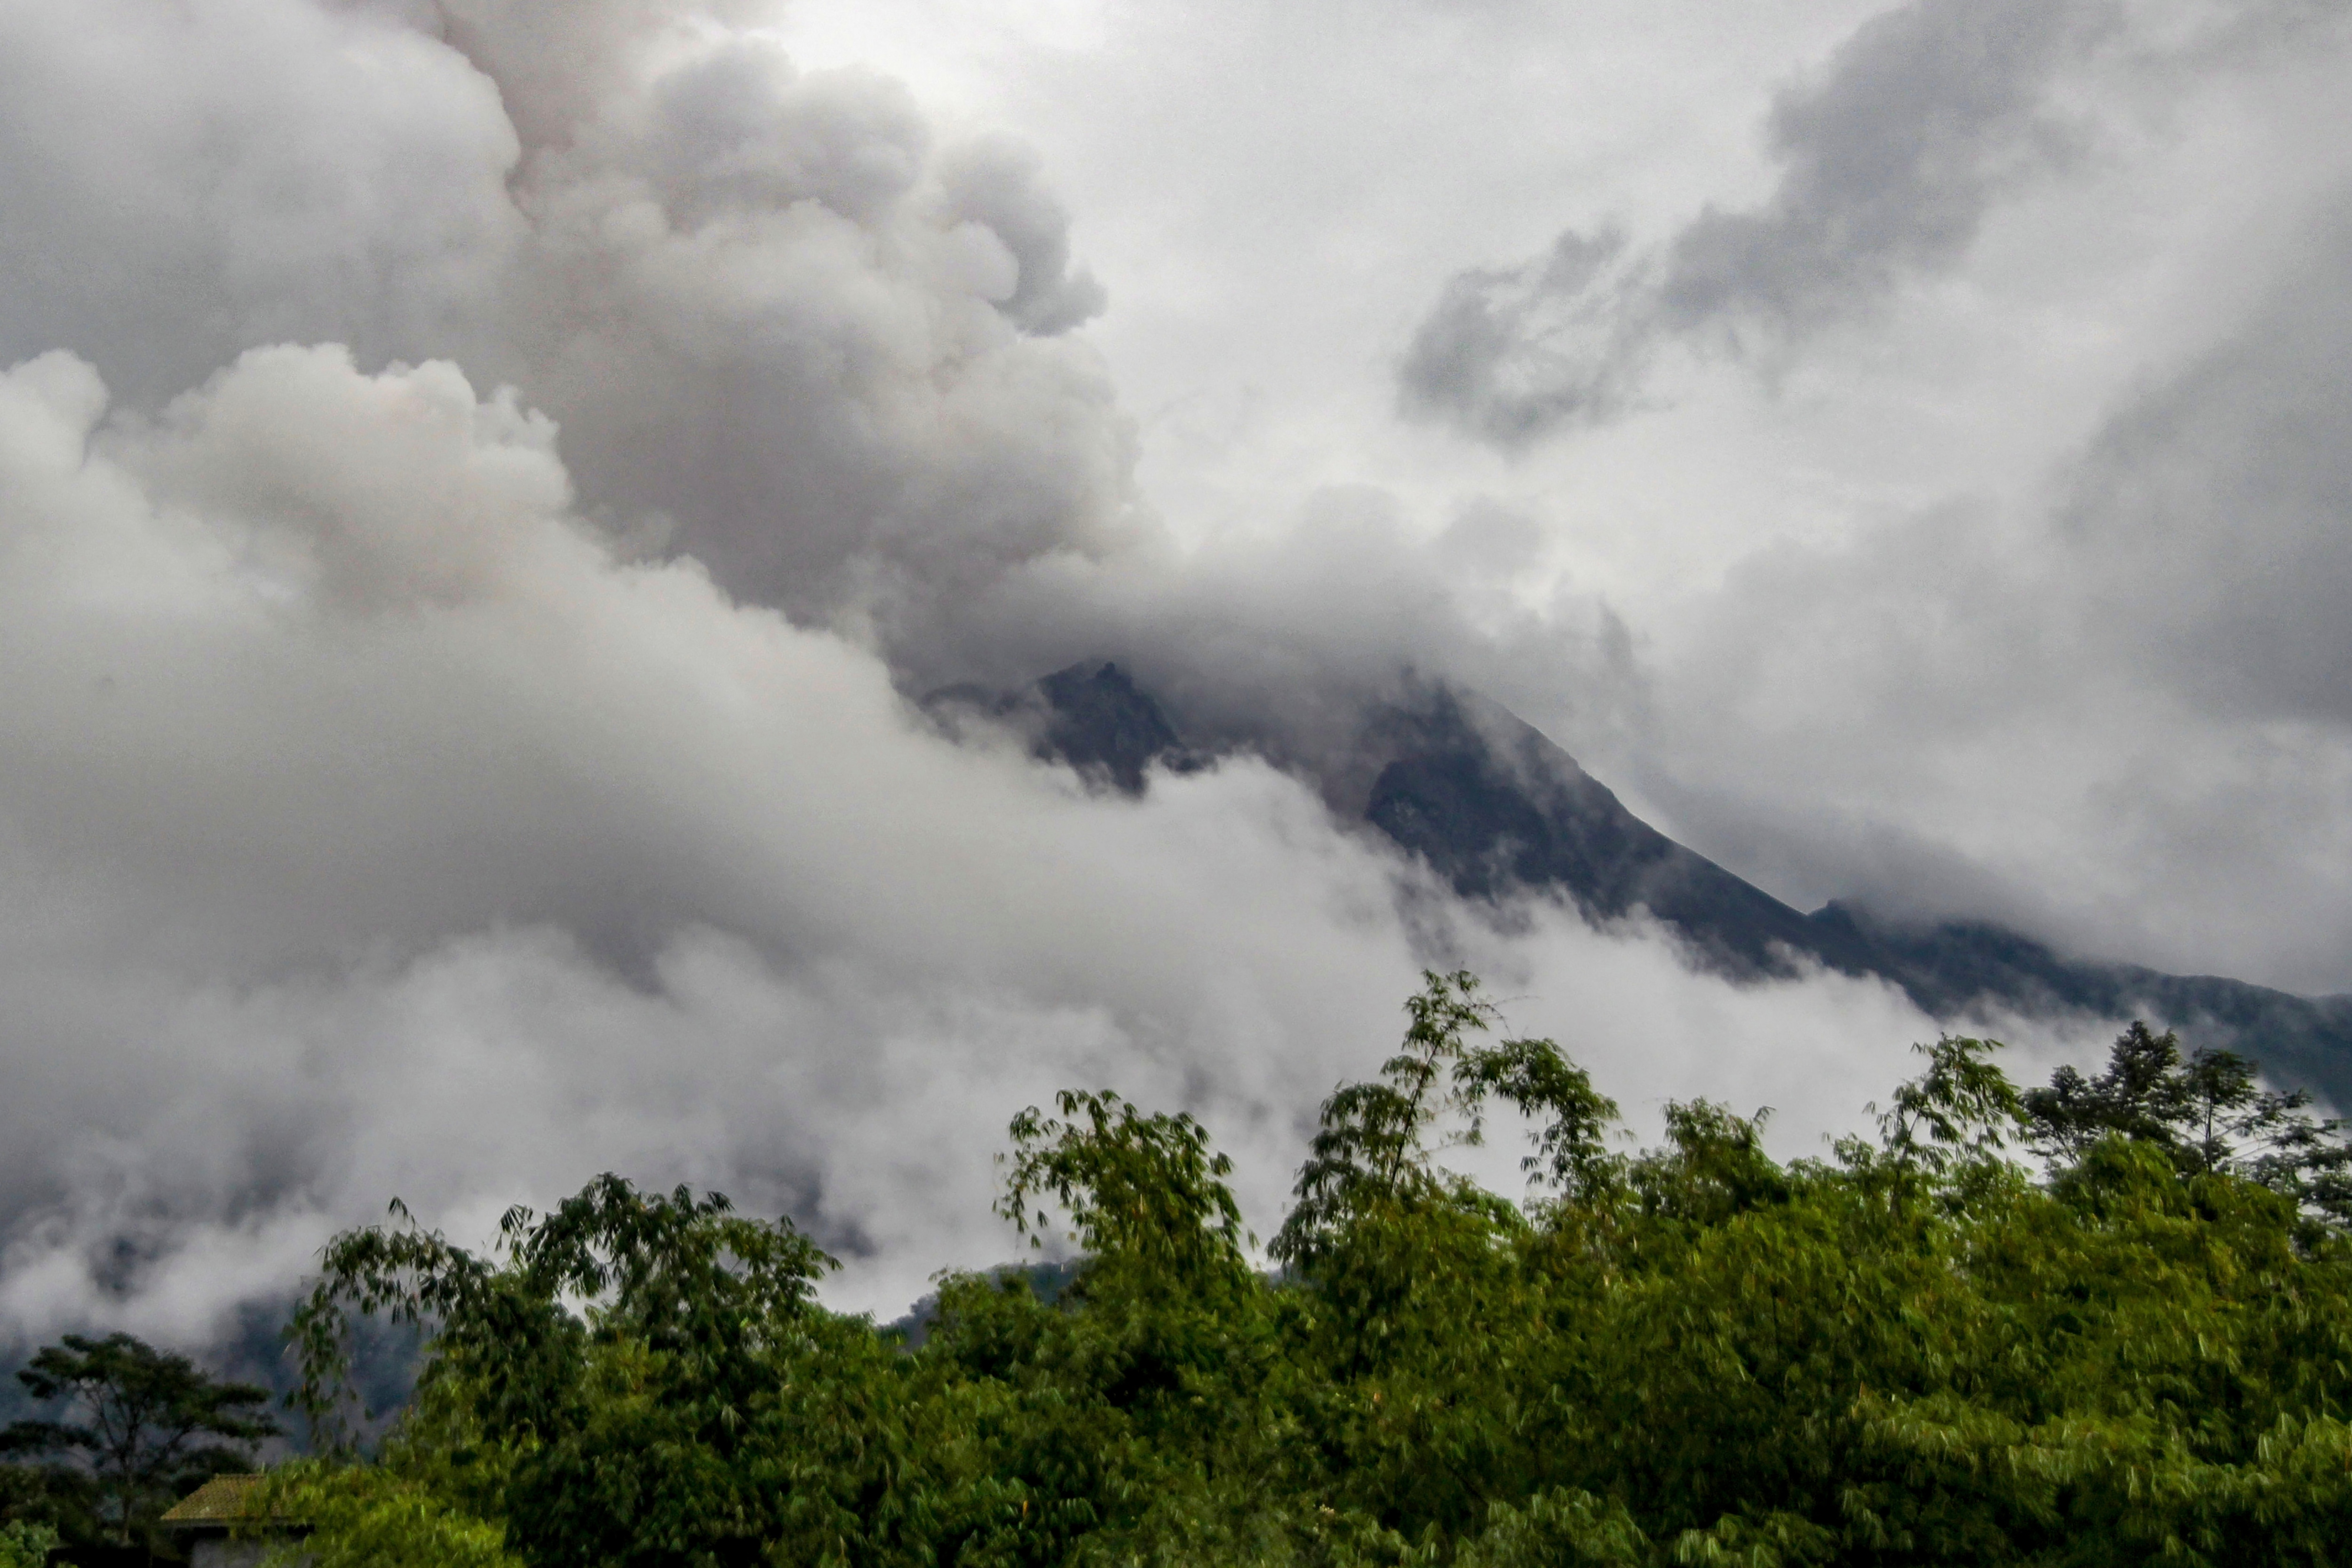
x,y
222,1501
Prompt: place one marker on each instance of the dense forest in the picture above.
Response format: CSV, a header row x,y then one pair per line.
x,y
2103,1321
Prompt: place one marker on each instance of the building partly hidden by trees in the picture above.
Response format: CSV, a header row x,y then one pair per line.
x,y
131,1429
2135,1348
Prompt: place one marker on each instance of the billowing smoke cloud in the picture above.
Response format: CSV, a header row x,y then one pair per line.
x,y
782,327
373,828
478,484
2021,602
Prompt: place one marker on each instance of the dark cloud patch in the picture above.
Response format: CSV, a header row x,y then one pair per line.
x,y
1890,161
740,130
1510,353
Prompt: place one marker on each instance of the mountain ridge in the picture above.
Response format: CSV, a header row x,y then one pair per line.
x,y
1500,810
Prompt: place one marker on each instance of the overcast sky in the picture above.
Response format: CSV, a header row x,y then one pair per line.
x,y
480,479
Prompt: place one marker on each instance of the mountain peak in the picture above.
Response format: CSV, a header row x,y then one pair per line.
x,y
1491,805
1090,717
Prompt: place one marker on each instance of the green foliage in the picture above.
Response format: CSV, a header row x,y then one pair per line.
x,y
1921,1352
1962,1109
145,1425
53,1495
356,1516
2207,1111
24,1544
1138,1189
1370,1160
596,1385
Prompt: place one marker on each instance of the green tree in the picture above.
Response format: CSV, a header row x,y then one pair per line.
x,y
357,1516
608,1377
24,1544
2209,1113
54,1495
1962,1109
1920,1351
1371,1154
1136,1187
144,1423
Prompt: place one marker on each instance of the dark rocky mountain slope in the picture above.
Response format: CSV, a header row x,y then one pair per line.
x,y
1502,813
1092,718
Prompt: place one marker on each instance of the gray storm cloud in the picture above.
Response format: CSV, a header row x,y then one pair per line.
x,y
2208,520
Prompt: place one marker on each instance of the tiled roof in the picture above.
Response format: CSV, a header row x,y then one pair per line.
x,y
224,1499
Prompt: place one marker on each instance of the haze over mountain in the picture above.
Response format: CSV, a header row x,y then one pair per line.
x,y
1502,814
486,484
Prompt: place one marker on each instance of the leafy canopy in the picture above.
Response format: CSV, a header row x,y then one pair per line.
x,y
2207,1111
1137,1187
1917,1350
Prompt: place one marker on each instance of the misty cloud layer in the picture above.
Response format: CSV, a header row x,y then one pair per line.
x,y
484,482
375,828
2156,643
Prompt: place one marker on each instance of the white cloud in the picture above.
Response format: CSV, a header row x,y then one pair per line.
x,y
389,834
